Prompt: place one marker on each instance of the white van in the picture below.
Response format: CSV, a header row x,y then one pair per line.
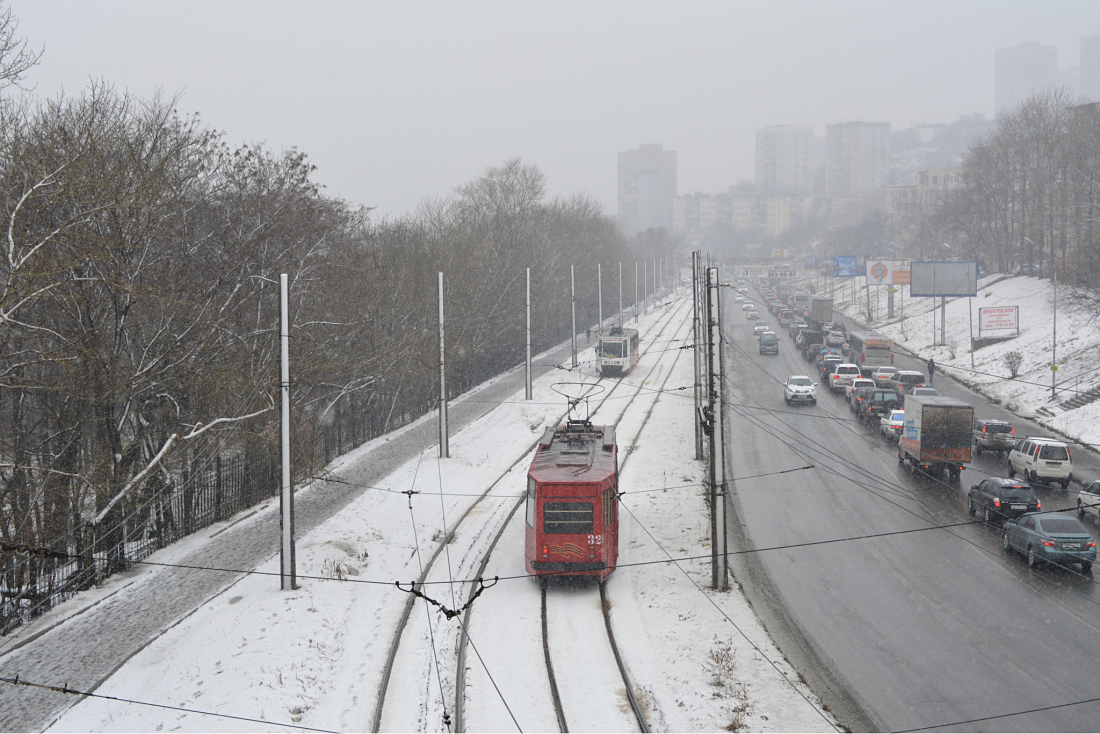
x,y
1039,459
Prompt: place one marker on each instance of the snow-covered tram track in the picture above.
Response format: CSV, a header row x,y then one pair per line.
x,y
476,548
612,702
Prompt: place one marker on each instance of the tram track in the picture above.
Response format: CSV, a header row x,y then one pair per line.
x,y
630,693
448,539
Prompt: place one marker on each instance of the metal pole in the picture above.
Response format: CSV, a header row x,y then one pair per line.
x,y
619,318
718,481
635,291
527,381
573,311
943,320
645,286
286,505
599,292
1054,340
697,347
444,446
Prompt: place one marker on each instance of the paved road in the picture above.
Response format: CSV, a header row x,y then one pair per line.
x,y
922,629
85,650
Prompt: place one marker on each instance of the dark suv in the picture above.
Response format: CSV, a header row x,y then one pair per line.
x,y
874,402
1000,498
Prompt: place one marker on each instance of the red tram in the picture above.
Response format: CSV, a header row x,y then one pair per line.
x,y
572,485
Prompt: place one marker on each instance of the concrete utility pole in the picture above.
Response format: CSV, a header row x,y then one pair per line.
x,y
527,376
573,311
645,286
287,574
599,292
619,318
697,353
635,292
1054,340
719,572
444,445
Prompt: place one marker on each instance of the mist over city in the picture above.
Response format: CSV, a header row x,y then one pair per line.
x,y
495,366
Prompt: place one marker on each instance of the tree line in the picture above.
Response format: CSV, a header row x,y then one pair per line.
x,y
139,302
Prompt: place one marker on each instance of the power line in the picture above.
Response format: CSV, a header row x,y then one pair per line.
x,y
72,691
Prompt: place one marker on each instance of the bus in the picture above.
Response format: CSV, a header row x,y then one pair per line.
x,y
869,350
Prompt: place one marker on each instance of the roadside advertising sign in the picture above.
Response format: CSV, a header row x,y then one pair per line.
x,y
779,254
998,317
823,266
754,273
847,267
949,278
888,272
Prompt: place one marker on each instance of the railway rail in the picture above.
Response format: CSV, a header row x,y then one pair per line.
x,y
474,508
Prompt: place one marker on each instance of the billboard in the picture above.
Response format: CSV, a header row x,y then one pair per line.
x,y
888,272
823,266
954,279
847,267
998,317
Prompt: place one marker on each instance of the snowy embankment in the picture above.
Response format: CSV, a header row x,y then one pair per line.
x,y
986,371
313,657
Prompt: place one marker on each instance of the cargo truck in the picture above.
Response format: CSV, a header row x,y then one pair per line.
x,y
936,434
821,312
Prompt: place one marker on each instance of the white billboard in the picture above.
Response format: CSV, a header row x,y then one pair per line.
x,y
998,317
888,272
953,279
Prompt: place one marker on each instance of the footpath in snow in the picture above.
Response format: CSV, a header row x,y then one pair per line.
x,y
312,658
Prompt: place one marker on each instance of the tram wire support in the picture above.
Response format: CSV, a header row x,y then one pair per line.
x,y
287,580
444,446
719,564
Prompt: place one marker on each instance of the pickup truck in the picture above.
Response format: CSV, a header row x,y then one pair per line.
x,y
937,434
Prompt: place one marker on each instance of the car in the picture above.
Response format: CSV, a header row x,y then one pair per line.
x,y
750,306
1000,498
727,283
759,328
1050,537
993,435
923,391
799,389
786,317
905,380
1088,500
827,364
807,338
842,375
834,338
890,425
854,385
742,289
739,299
883,375
769,343
1039,459
811,351
836,326
875,402
752,315
796,327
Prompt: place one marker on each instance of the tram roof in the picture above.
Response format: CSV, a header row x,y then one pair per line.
x,y
575,452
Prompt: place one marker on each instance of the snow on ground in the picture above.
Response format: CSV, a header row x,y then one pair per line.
x,y
313,657
1029,394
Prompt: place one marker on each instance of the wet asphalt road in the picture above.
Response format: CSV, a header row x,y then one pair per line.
x,y
932,628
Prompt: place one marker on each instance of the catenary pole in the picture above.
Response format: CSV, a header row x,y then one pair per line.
x,y
444,445
645,286
527,380
635,291
619,319
696,347
599,293
720,446
573,311
286,504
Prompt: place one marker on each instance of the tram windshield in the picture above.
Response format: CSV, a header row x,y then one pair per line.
x,y
611,350
561,518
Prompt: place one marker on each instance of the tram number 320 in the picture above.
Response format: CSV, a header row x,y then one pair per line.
x,y
595,540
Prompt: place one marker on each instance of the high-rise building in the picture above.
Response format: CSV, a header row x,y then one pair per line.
x,y
784,159
1024,70
857,159
1088,82
647,186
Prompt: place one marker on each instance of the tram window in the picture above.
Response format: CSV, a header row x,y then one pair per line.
x,y
562,518
608,508
530,501
611,350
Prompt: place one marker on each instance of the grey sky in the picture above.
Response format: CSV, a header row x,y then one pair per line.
x,y
396,101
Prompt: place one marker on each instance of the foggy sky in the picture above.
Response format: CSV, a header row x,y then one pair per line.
x,y
397,101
